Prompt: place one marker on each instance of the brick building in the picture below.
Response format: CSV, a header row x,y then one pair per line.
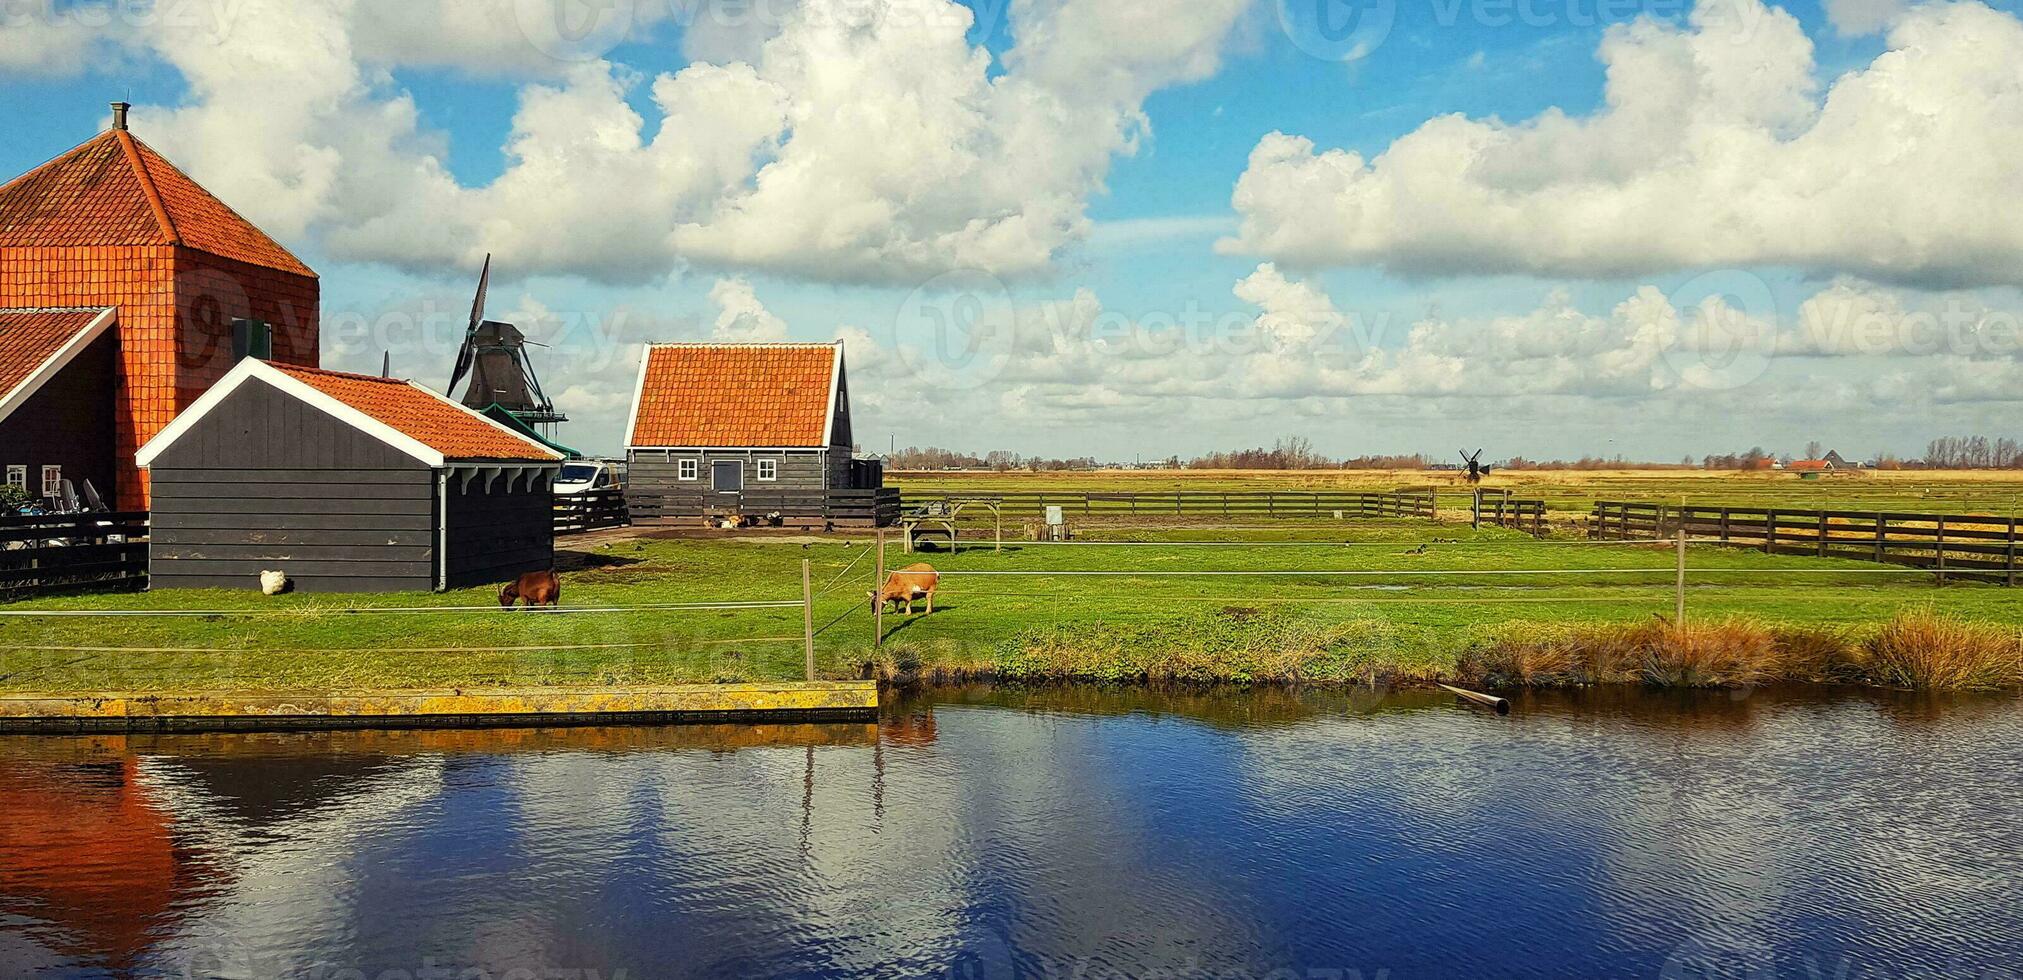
x,y
112,225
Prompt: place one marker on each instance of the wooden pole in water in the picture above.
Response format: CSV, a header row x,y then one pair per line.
x,y
1486,700
808,616
877,607
1679,597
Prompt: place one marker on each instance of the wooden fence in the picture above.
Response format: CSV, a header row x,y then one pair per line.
x,y
1955,546
590,510
836,508
1206,503
1504,510
71,550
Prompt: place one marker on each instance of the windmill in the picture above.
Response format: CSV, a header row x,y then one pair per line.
x,y
494,356
1476,471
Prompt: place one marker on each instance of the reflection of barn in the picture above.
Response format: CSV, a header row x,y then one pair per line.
x,y
347,483
113,226
749,429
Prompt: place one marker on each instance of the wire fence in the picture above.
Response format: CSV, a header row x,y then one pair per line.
x,y
1424,585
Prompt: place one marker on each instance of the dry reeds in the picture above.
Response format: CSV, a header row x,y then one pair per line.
x,y
1919,649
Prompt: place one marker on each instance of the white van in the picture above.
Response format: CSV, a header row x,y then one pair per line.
x,y
584,475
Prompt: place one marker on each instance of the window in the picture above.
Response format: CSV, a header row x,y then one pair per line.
x,y
52,481
769,469
688,469
252,338
17,476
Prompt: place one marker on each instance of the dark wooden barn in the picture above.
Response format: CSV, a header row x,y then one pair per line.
x,y
750,429
346,482
57,370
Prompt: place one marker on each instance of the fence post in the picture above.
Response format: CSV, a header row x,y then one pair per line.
x,y
878,605
1822,534
808,616
2009,566
1882,537
1770,532
1679,591
1724,525
1939,548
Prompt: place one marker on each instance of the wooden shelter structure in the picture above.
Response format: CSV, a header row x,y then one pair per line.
x,y
347,483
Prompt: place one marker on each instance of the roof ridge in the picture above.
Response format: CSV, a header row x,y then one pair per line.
x,y
219,201
744,344
54,309
127,145
353,375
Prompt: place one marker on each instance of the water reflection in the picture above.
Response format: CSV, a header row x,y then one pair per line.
x,y
1004,831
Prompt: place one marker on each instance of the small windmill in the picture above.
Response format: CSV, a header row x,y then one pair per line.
x,y
494,356
1476,471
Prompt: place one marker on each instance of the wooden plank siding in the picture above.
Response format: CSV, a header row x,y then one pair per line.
x,y
268,482
68,423
499,528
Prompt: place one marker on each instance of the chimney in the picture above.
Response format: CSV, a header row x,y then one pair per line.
x,y
119,115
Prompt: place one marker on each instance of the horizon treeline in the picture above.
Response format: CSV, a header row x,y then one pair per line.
x,y
1298,453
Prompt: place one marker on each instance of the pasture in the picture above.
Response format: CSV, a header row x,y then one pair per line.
x,y
1312,600
1994,492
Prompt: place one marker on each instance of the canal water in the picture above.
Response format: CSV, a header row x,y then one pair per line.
x,y
1070,832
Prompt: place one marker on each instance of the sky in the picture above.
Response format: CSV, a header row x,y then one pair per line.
x,y
1551,228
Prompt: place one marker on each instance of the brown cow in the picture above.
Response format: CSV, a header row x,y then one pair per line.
x,y
536,588
906,585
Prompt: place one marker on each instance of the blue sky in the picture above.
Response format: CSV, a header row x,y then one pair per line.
x,y
1521,225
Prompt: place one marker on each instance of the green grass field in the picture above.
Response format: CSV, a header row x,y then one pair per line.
x,y
1157,609
1974,492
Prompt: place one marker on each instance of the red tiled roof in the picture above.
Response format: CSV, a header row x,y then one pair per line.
x,y
116,190
30,337
735,395
448,428
1808,464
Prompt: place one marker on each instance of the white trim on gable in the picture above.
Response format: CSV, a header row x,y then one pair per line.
x,y
251,368
835,392
54,364
638,389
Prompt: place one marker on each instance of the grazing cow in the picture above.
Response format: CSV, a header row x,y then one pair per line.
x,y
535,588
906,585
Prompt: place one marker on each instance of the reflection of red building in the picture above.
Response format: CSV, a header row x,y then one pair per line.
x,y
908,727
83,849
112,225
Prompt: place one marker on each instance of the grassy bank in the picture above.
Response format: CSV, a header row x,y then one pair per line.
x,y
1449,609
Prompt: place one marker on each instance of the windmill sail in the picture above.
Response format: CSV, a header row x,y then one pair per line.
x,y
494,358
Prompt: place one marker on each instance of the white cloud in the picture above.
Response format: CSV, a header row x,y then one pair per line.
x,y
741,318
858,142
1714,148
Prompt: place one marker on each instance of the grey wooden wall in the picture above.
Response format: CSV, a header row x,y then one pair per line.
x,y
267,482
499,529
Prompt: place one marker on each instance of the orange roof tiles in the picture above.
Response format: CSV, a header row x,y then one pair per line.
x,y
448,428
30,337
735,395
116,190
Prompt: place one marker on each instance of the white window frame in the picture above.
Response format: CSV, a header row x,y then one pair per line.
x,y
52,480
689,469
17,475
769,471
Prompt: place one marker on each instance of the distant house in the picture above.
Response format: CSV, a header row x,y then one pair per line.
x,y
1834,462
720,428
346,482
191,287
